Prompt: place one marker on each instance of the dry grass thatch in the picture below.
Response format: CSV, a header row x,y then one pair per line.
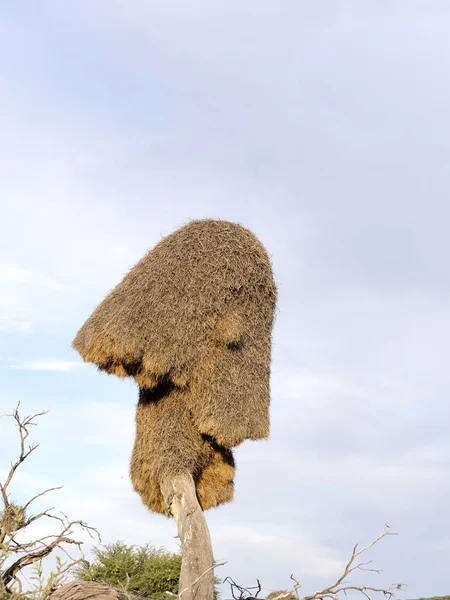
x,y
168,444
193,317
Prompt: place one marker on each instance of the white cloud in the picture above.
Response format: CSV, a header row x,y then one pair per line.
x,y
14,274
293,552
26,298
366,479
309,385
45,365
14,314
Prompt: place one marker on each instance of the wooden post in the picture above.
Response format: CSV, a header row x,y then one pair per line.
x,y
197,562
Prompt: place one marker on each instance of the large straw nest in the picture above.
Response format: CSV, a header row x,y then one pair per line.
x,y
193,317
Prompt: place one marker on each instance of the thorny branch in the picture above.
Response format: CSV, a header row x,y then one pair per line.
x,y
14,518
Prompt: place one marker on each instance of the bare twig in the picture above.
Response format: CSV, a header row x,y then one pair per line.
x,y
13,518
23,425
59,487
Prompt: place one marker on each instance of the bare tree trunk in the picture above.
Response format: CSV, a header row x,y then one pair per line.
x,y
197,564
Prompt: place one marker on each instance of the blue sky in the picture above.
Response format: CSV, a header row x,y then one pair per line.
x,y
323,127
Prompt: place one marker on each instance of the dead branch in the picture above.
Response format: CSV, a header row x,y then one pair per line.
x,y
23,425
35,551
244,593
342,585
331,592
25,506
13,518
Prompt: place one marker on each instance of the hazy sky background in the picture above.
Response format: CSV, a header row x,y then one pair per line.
x,y
324,127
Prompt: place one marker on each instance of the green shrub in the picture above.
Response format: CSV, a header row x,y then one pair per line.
x,y
141,570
